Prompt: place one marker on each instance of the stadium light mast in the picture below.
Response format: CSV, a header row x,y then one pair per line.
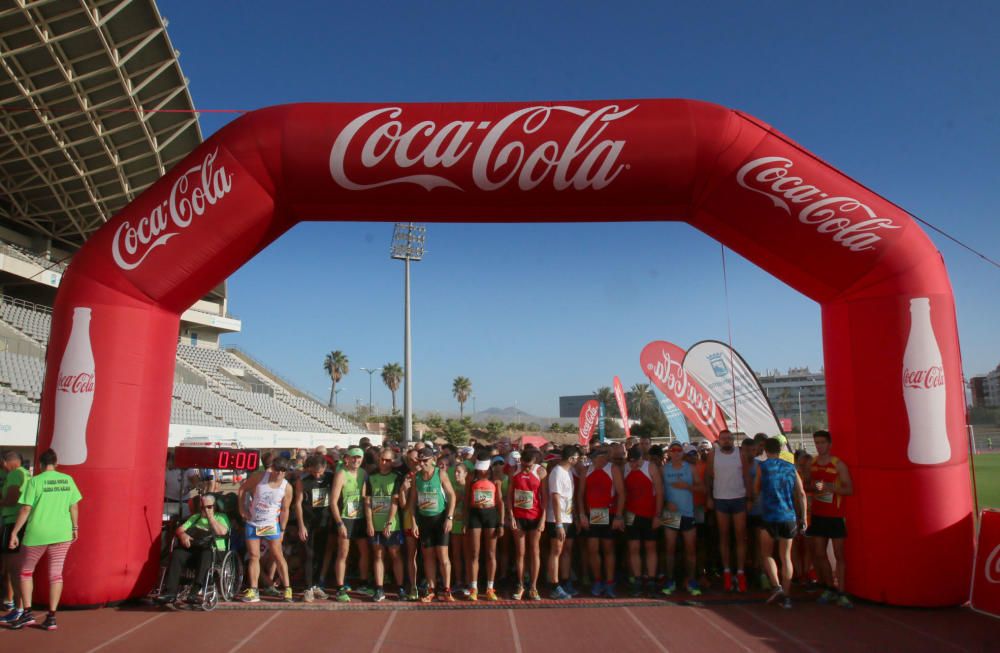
x,y
407,245
371,372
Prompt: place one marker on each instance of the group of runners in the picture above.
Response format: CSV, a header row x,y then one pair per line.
x,y
618,519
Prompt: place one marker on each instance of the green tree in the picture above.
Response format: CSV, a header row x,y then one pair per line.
x,y
532,426
642,400
434,421
461,387
553,427
337,366
606,396
455,432
466,422
392,375
494,428
394,427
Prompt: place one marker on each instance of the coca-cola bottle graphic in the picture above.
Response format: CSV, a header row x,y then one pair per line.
x,y
74,392
924,390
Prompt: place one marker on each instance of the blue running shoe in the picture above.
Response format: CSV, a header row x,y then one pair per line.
x,y
559,594
609,591
570,588
669,588
11,616
597,588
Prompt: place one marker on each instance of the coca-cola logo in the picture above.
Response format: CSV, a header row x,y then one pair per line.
x,y
588,420
498,158
992,570
193,192
76,383
932,377
848,221
662,362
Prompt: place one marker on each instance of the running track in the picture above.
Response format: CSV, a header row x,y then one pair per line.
x,y
629,626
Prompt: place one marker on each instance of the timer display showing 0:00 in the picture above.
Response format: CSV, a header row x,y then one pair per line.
x,y
237,460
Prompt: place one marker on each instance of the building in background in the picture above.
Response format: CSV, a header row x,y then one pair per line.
x,y
784,391
986,389
571,405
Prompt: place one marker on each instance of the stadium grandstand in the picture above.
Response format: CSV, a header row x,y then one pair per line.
x,y
94,108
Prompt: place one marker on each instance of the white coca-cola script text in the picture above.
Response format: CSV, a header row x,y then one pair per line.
x,y
583,161
673,375
833,216
192,193
932,377
589,420
76,383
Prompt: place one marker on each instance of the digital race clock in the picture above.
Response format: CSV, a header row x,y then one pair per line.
x,y
211,458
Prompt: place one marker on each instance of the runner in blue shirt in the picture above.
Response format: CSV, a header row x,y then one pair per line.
x,y
783,507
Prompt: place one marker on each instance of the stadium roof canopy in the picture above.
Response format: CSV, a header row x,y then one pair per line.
x,y
93,109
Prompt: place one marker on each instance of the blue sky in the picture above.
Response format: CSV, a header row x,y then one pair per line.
x,y
902,98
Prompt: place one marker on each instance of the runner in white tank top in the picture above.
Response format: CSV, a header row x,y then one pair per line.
x,y
727,480
266,515
266,504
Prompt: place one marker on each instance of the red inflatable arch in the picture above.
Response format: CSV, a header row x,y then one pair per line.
x,y
894,379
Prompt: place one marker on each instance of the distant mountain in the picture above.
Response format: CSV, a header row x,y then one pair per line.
x,y
508,414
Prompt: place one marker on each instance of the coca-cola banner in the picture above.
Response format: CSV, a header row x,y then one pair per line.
x,y
675,418
985,593
622,405
589,418
663,363
733,385
862,258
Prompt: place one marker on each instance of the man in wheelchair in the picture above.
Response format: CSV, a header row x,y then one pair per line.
x,y
198,540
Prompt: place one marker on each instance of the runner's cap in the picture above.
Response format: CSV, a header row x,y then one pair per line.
x,y
482,465
355,451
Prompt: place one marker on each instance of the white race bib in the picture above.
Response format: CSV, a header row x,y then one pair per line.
x,y
321,497
263,531
600,516
524,499
672,520
427,500
629,518
381,505
482,498
351,508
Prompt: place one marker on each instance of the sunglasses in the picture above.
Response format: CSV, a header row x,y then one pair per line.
x,y
387,460
209,506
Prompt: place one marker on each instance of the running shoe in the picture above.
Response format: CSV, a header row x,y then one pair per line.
x,y
342,596
366,589
533,595
693,588
473,594
50,622
844,602
10,617
634,587
446,596
287,595
271,590
465,590
765,584
570,588
428,597
775,595
787,603
8,605
727,581
828,596
250,595
402,593
379,595
413,596
597,588
319,593
518,593
559,594
652,588
308,596
26,619
741,582
491,594
609,591
669,588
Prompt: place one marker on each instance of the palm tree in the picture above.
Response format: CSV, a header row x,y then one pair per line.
x,y
606,396
461,388
642,396
392,374
337,366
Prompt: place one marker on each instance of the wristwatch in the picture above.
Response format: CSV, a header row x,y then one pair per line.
x,y
451,518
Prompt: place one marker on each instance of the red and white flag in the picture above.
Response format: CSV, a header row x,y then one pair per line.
x,y
589,417
663,363
622,405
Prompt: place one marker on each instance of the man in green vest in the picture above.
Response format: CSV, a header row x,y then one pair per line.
x,y
381,496
349,520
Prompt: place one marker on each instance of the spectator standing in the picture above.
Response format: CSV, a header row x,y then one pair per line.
x,y
49,513
15,476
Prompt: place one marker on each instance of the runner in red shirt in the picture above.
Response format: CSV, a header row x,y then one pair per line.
x,y
601,502
526,501
643,505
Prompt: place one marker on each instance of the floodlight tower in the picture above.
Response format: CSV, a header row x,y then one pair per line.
x,y
407,245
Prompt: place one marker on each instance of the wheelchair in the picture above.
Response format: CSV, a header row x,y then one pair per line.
x,y
222,583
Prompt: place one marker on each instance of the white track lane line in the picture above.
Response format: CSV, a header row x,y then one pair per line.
x,y
255,631
513,628
711,622
127,632
385,632
781,631
655,642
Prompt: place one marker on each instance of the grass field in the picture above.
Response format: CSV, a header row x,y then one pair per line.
x,y
988,479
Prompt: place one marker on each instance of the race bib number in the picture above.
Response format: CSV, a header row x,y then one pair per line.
x,y
321,497
825,497
600,516
380,505
427,500
264,531
482,498
629,518
351,508
672,520
524,499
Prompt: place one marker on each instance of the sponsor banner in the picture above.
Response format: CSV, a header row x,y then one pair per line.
x,y
262,439
600,422
786,424
662,362
674,416
733,385
622,405
985,594
589,417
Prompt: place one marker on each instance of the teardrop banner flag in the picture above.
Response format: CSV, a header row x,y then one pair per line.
x,y
733,385
588,421
662,362
673,414
622,405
